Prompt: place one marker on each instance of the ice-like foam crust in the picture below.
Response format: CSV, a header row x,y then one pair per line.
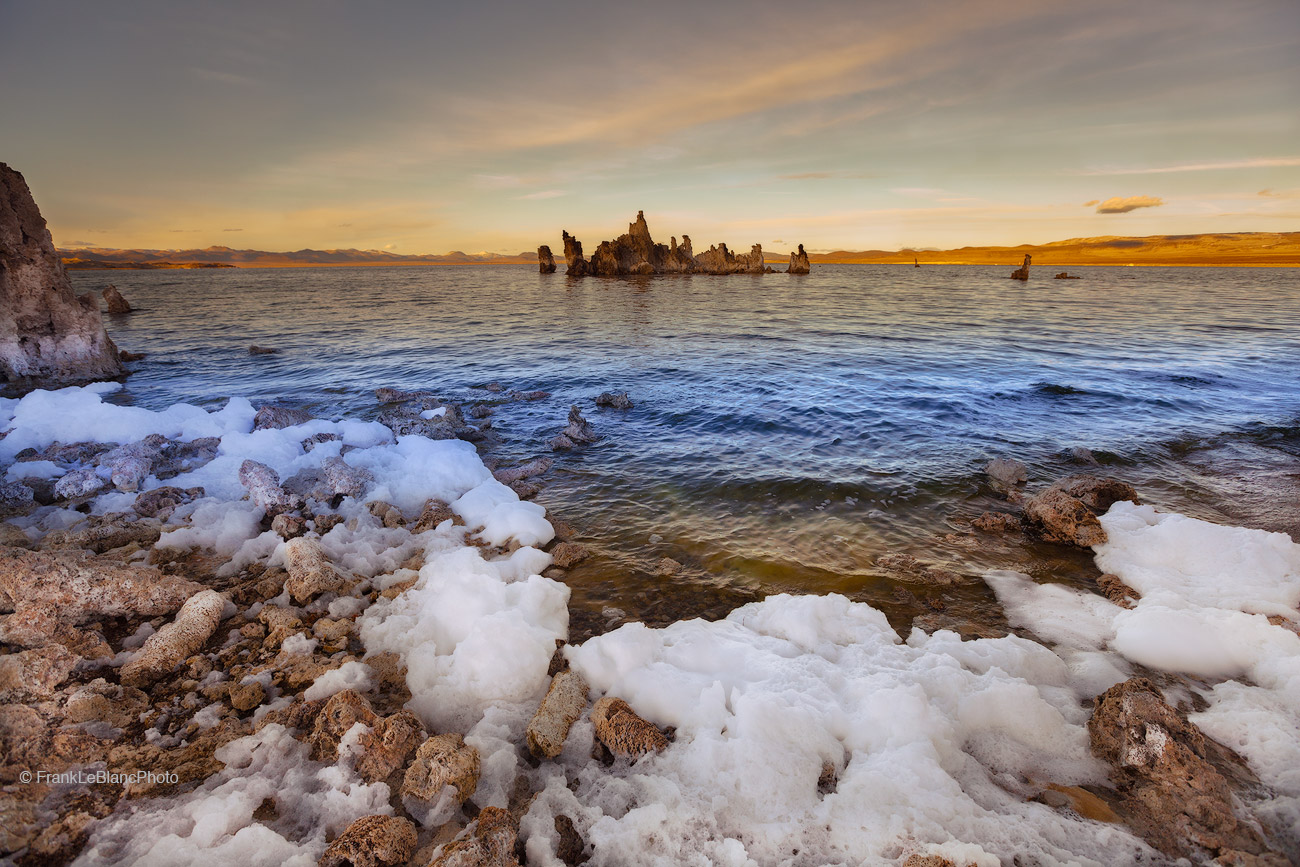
x,y
1206,591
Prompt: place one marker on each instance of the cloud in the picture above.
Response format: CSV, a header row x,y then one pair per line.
x,y
1253,163
1090,203
1119,205
824,176
545,194
232,230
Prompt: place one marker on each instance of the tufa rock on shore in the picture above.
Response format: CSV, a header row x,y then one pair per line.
x,y
636,253
113,300
47,334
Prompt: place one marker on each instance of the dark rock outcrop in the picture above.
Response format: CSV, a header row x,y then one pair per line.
x,y
545,261
113,300
47,334
636,253
1022,273
1067,511
799,262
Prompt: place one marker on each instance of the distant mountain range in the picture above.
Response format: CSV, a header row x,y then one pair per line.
x,y
1240,248
87,258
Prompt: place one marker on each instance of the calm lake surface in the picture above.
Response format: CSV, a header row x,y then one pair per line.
x,y
788,430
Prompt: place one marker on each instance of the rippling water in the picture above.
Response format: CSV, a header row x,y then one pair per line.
x,y
788,430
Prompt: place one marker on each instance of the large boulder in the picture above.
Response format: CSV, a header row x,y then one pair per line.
x,y
1173,794
1067,511
195,623
47,333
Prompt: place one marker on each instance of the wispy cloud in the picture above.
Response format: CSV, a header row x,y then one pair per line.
x,y
1253,163
546,194
1119,205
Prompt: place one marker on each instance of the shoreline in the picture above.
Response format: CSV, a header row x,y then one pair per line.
x,y
201,266
339,600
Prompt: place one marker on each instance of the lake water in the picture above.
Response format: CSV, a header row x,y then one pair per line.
x,y
788,430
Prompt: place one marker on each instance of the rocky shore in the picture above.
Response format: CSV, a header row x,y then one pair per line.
x,y
636,253
254,636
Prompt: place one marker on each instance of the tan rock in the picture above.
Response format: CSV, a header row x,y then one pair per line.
x,y
272,417
45,590
47,333
799,262
384,749
1173,795
280,623
489,841
119,706
246,696
25,740
996,522
567,554
441,761
264,490
623,732
33,675
177,641
332,634
101,533
62,840
12,536
523,471
161,502
1067,511
310,570
565,701
372,841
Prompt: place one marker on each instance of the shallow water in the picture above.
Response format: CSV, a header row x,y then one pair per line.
x,y
788,430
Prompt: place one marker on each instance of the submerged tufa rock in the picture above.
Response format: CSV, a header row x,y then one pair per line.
x,y
113,300
47,334
545,261
799,262
1022,273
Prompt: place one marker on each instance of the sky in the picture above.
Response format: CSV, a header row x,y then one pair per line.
x,y
427,127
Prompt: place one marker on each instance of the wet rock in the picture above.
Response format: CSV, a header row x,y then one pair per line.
x,y
567,554
372,841
571,849
47,333
16,499
174,643
126,355
1064,275
397,395
246,696
996,522
1005,474
1022,273
280,623
576,264
180,457
289,526
524,471
433,514
907,566
310,570
44,590
340,713
545,261
441,761
1067,511
489,841
481,410
100,533
1174,796
565,701
114,302
799,262
579,430
61,841
529,396
14,537
1081,455
614,400
262,350
1116,590
387,513
161,502
78,484
33,675
560,443
667,566
119,706
279,417
623,732
317,439
263,486
345,479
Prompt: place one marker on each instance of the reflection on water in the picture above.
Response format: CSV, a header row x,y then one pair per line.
x,y
788,430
